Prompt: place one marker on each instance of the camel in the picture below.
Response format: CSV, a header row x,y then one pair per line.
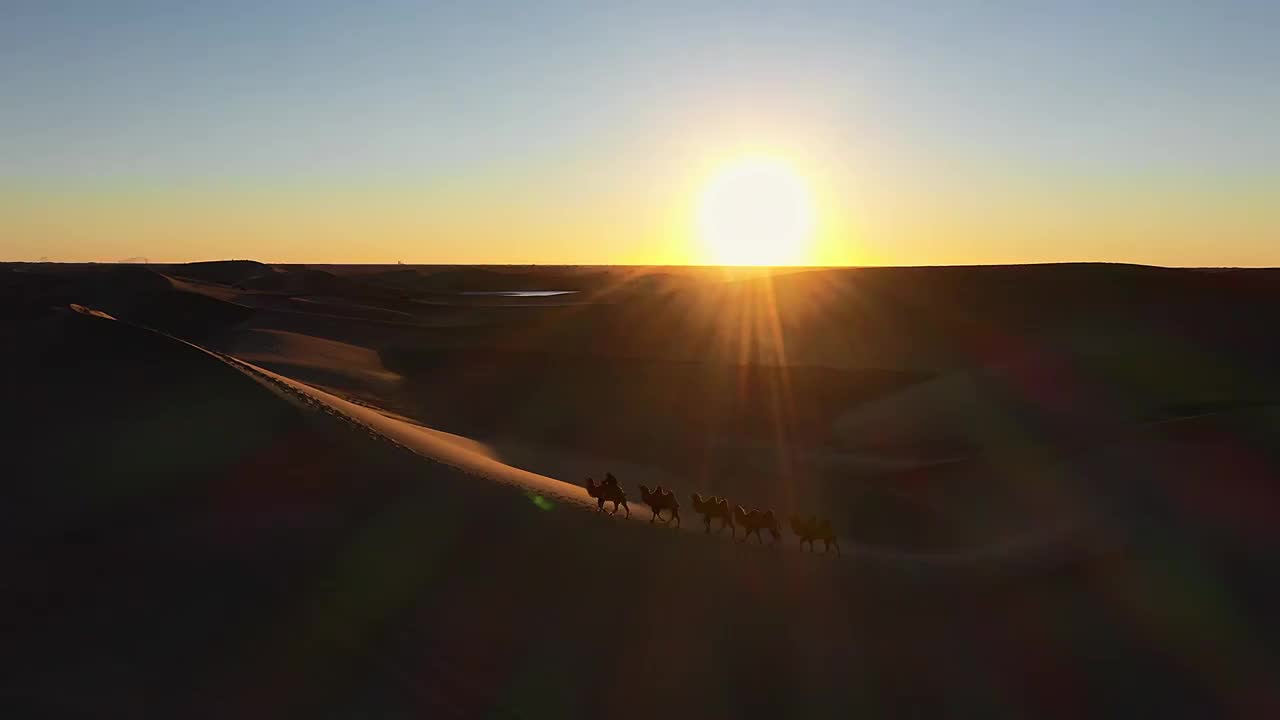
x,y
713,507
815,529
608,491
659,500
755,521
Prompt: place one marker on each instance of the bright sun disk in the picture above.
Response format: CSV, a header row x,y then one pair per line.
x,y
756,211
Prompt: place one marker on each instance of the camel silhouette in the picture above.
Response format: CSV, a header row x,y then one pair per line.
x,y
713,507
608,491
659,500
815,528
755,521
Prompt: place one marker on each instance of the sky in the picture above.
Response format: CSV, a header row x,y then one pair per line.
x,y
950,132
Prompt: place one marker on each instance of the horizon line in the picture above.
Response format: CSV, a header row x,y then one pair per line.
x,y
640,265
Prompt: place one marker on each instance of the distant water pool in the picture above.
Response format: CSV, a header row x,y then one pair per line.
x,y
521,293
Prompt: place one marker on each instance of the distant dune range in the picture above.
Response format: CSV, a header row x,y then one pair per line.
x,y
235,488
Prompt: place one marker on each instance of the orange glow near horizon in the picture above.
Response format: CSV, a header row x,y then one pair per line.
x,y
697,211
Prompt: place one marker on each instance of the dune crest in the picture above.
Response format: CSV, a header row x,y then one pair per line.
x,y
90,311
452,450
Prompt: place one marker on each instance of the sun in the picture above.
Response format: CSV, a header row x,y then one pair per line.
x,y
756,211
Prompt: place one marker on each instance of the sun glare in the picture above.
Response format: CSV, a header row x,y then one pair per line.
x,y
756,211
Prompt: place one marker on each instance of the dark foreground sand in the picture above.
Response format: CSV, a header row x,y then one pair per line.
x,y
223,501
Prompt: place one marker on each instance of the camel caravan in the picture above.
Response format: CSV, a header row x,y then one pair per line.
x,y
752,522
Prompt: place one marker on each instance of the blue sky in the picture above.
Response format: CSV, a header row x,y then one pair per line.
x,y
597,107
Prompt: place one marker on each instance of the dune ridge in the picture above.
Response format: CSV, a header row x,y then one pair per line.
x,y
1034,552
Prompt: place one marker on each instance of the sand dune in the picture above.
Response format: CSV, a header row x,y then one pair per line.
x,y
452,450
316,360
473,458
205,532
479,461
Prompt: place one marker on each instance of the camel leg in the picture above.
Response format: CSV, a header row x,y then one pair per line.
x,y
706,523
653,515
675,516
624,507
